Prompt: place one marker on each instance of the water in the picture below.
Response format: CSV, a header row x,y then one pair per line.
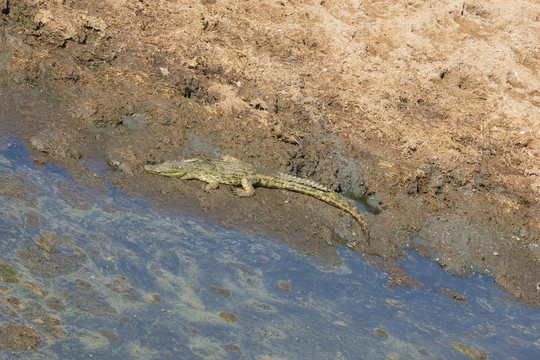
x,y
103,276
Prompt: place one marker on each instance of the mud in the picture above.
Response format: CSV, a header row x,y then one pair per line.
x,y
427,110
17,338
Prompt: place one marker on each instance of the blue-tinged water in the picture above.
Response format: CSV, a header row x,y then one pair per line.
x,y
121,280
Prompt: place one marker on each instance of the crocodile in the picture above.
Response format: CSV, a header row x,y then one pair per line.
x,y
230,171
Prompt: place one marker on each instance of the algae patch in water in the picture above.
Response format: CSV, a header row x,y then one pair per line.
x,y
8,273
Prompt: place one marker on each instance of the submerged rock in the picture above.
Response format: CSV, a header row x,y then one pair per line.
x,y
470,351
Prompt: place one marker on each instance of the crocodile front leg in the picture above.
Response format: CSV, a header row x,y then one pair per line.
x,y
247,188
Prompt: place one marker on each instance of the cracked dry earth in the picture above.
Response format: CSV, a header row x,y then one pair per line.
x,y
427,110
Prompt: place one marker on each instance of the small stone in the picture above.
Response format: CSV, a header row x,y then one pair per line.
x,y
284,286
33,287
234,348
54,303
134,122
153,298
454,295
535,249
228,317
109,334
470,351
223,292
14,303
394,303
46,245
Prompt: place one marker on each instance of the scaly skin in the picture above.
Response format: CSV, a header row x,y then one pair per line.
x,y
236,173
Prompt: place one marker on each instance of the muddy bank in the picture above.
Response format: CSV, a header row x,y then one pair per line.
x,y
428,110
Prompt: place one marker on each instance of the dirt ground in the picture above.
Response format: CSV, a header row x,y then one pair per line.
x,y
429,111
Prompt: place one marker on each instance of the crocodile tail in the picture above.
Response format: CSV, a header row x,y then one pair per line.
x,y
305,182
328,197
346,205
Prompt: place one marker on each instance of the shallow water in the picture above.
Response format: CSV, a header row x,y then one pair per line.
x,y
116,278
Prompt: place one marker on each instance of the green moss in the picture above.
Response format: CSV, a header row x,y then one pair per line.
x,y
8,273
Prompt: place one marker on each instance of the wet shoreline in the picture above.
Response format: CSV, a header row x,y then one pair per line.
x,y
106,275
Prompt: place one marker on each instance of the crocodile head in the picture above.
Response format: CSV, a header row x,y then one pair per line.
x,y
179,169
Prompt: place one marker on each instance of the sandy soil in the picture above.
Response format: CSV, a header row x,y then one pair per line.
x,y
428,110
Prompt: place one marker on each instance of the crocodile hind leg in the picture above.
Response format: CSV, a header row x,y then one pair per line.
x,y
212,185
247,188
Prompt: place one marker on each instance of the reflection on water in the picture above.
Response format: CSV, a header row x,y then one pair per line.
x,y
102,276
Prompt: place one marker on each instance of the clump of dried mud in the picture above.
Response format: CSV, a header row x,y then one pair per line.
x,y
427,109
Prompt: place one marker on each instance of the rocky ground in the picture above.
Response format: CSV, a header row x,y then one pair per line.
x,y
426,110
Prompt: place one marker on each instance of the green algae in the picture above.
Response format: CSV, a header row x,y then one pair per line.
x,y
8,273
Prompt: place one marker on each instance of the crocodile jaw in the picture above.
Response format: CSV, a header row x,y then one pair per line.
x,y
168,168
